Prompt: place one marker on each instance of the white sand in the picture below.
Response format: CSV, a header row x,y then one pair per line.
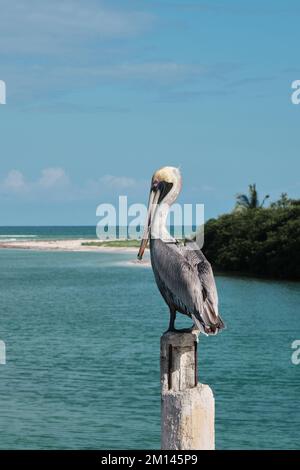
x,y
63,245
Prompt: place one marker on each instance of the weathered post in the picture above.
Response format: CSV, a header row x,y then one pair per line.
x,y
187,407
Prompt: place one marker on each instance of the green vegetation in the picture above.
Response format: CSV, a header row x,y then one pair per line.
x,y
249,201
257,240
114,243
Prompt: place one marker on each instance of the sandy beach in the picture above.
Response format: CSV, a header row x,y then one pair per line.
x,y
64,245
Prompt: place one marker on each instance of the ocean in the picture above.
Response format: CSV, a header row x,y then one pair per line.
x,y
82,334
76,232
47,233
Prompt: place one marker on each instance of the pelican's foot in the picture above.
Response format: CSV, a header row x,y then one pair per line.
x,y
168,331
185,330
181,330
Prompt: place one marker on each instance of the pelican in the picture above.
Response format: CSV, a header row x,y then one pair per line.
x,y
183,275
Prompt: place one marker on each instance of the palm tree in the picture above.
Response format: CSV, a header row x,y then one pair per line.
x,y
249,201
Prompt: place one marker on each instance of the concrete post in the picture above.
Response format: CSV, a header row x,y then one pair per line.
x,y
187,407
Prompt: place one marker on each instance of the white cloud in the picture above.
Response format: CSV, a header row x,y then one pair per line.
x,y
14,182
207,188
31,81
149,71
30,26
117,182
52,177
54,184
72,44
66,45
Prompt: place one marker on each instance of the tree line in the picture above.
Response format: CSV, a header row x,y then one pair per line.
x,y
255,239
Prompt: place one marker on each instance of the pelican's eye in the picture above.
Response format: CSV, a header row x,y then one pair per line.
x,y
155,185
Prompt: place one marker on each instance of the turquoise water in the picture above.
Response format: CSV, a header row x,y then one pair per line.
x,y
82,335
76,232
47,233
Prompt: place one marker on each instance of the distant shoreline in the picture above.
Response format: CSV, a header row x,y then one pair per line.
x,y
75,245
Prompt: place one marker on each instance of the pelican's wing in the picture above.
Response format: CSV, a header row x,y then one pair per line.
x,y
210,310
179,271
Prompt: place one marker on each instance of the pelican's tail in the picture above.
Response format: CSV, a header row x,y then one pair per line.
x,y
208,323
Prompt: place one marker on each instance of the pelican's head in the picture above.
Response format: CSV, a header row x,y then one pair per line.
x,y
165,187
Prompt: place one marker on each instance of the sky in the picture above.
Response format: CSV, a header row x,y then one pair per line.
x,y
102,93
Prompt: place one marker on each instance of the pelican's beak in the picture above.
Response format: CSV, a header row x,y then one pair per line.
x,y
152,206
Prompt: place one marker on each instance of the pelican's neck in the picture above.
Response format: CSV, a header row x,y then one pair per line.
x,y
159,224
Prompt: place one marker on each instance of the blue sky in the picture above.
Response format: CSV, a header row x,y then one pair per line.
x,y
101,93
